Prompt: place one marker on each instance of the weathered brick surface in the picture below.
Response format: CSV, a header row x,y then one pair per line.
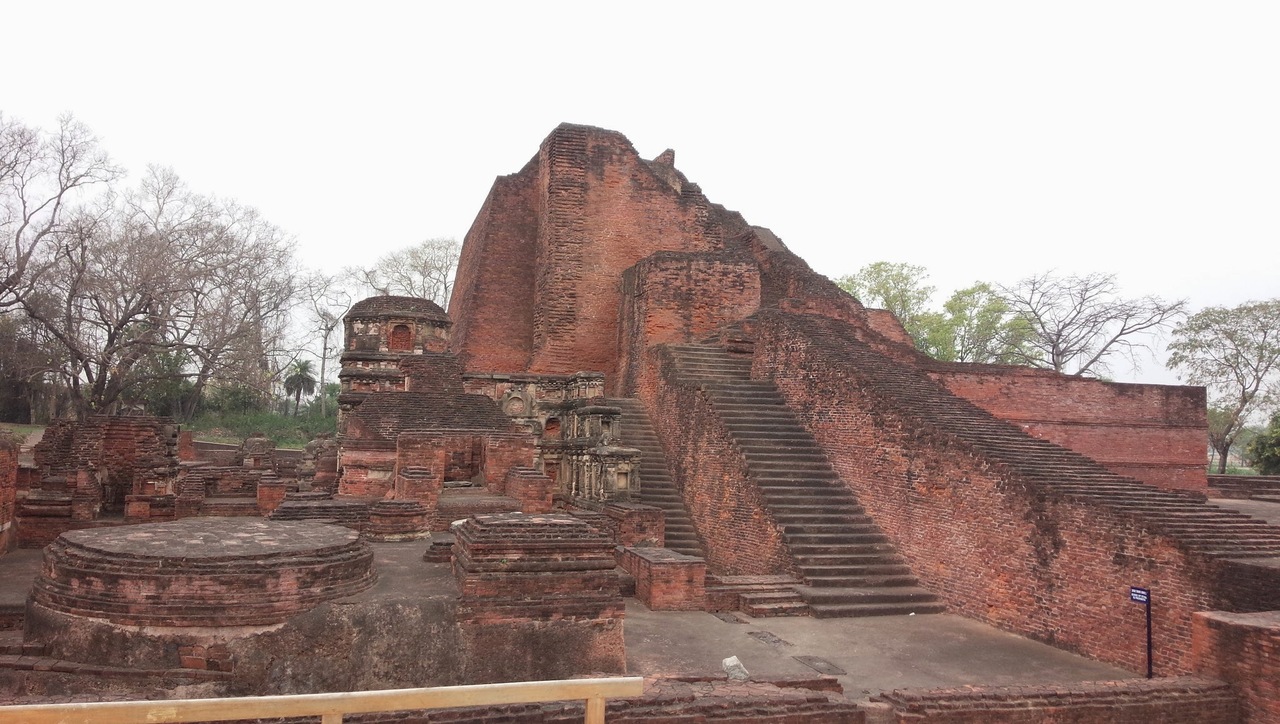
x,y
676,297
988,528
666,580
1135,701
596,208
530,487
200,572
1154,433
722,502
8,493
542,590
1243,650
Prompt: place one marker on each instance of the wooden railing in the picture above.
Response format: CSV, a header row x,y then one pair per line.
x,y
331,707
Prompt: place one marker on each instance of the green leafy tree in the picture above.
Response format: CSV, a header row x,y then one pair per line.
x,y
899,288
1265,448
975,324
1235,354
301,380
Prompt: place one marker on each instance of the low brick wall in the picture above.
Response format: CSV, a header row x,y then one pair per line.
x,y
1181,700
1242,649
666,580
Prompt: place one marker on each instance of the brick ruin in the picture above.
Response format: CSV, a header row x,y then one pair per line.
x,y
813,448
632,378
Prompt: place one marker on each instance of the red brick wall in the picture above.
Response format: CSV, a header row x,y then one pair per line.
x,y
673,297
997,547
8,493
1181,700
666,580
492,302
1243,650
1155,433
723,504
591,208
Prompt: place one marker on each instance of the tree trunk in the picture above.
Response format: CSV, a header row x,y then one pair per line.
x,y
1222,458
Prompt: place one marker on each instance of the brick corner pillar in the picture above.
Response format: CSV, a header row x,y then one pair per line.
x,y
270,496
186,446
1242,649
667,580
637,524
539,599
532,488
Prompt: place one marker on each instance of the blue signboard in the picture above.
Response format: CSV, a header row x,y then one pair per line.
x,y
1139,595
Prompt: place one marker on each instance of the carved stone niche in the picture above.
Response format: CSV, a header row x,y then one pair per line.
x,y
599,423
605,473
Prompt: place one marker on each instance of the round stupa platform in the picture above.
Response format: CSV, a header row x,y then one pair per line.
x,y
202,571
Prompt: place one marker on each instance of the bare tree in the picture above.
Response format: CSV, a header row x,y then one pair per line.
x,y
1077,322
40,174
162,271
1235,354
327,302
424,270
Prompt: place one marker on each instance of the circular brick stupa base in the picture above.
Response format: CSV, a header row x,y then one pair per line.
x,y
201,572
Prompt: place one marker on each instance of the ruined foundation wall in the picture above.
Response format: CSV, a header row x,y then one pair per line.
x,y
724,505
8,493
1154,433
997,547
1244,651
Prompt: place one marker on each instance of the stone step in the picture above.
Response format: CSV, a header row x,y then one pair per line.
x,y
812,572
770,604
891,594
861,581
860,610
831,540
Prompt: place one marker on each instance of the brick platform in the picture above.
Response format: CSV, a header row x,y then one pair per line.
x,y
201,571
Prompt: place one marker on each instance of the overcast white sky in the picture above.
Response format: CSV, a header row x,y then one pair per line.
x,y
983,140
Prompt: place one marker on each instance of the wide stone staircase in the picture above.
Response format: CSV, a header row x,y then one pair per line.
x,y
849,566
656,486
1184,517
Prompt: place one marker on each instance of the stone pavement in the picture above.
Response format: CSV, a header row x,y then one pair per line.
x,y
876,654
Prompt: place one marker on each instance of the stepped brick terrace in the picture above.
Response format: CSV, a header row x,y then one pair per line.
x,y
643,437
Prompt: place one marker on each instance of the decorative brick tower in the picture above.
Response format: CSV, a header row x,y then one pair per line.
x,y
380,332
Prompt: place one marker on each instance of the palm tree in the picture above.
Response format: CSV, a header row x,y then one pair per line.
x,y
300,381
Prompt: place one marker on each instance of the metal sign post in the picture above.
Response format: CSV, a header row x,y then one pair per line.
x,y
1143,596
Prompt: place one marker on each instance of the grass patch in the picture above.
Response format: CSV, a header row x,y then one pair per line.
x,y
234,427
19,432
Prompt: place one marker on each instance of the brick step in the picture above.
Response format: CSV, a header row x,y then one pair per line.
x,y
821,518
866,610
800,529
656,485
892,594
783,477
767,440
813,492
902,581
771,604
42,663
790,467
805,552
812,572
831,540
807,508
771,455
